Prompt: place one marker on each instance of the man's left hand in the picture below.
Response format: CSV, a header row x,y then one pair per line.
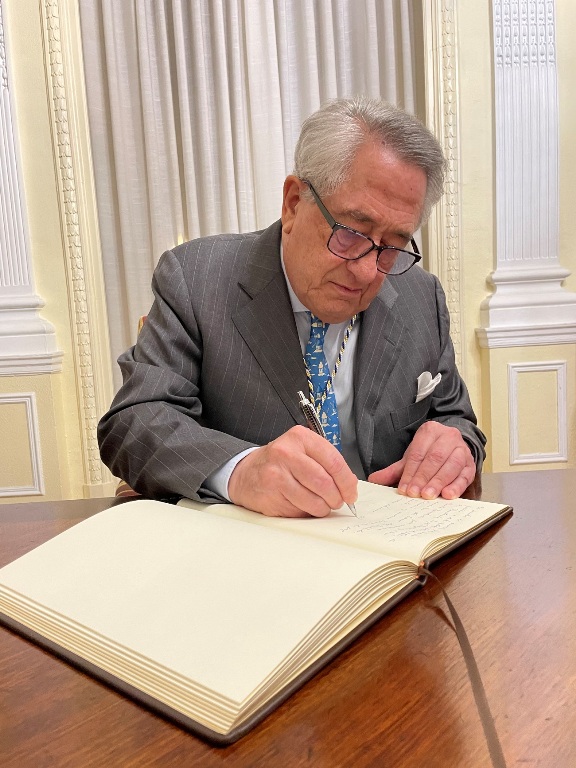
x,y
437,462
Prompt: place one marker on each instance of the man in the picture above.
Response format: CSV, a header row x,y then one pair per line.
x,y
326,302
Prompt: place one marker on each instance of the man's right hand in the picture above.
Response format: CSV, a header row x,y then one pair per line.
x,y
297,474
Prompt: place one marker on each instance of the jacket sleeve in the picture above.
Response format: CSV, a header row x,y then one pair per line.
x,y
153,435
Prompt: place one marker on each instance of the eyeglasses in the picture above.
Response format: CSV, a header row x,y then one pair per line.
x,y
351,245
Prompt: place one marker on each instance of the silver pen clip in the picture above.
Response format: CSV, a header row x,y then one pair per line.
x,y
310,415
314,424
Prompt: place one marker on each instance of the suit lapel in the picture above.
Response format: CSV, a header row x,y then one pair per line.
x,y
378,354
267,324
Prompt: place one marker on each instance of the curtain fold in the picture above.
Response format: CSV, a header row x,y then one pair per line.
x,y
195,107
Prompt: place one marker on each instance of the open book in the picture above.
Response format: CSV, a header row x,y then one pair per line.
x,y
211,614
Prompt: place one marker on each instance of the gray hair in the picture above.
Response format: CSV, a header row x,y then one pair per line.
x,y
330,138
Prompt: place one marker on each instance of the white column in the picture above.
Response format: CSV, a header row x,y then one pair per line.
x,y
27,342
529,305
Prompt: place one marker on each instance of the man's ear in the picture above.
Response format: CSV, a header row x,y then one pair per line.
x,y
290,198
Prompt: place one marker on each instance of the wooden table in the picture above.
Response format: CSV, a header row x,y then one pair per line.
x,y
400,696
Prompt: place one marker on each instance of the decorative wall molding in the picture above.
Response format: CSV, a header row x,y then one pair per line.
x,y
514,370
65,78
523,336
528,298
27,342
442,117
37,486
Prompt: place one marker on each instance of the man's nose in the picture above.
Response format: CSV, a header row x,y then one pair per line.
x,y
364,269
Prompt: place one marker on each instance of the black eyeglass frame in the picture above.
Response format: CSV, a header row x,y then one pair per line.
x,y
378,248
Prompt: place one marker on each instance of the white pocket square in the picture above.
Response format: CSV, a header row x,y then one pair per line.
x,y
426,385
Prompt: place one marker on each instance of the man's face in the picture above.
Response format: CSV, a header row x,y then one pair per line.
x,y
382,199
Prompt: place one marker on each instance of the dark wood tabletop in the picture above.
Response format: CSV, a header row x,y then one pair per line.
x,y
400,696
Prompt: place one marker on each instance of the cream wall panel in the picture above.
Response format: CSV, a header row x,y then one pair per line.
x,y
21,470
538,389
531,417
16,448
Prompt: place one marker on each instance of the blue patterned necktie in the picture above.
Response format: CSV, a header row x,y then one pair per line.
x,y
319,376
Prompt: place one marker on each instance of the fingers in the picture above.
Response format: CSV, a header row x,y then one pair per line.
x,y
302,473
298,473
437,463
327,473
389,475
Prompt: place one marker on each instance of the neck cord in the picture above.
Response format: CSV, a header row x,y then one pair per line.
x,y
318,403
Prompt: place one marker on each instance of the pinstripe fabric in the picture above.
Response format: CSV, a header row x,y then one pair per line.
x,y
218,364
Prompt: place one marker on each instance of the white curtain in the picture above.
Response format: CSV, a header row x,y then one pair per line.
x,y
195,107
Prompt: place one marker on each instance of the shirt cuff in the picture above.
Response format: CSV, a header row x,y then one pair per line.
x,y
218,481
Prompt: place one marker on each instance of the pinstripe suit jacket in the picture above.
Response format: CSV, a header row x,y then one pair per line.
x,y
218,363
